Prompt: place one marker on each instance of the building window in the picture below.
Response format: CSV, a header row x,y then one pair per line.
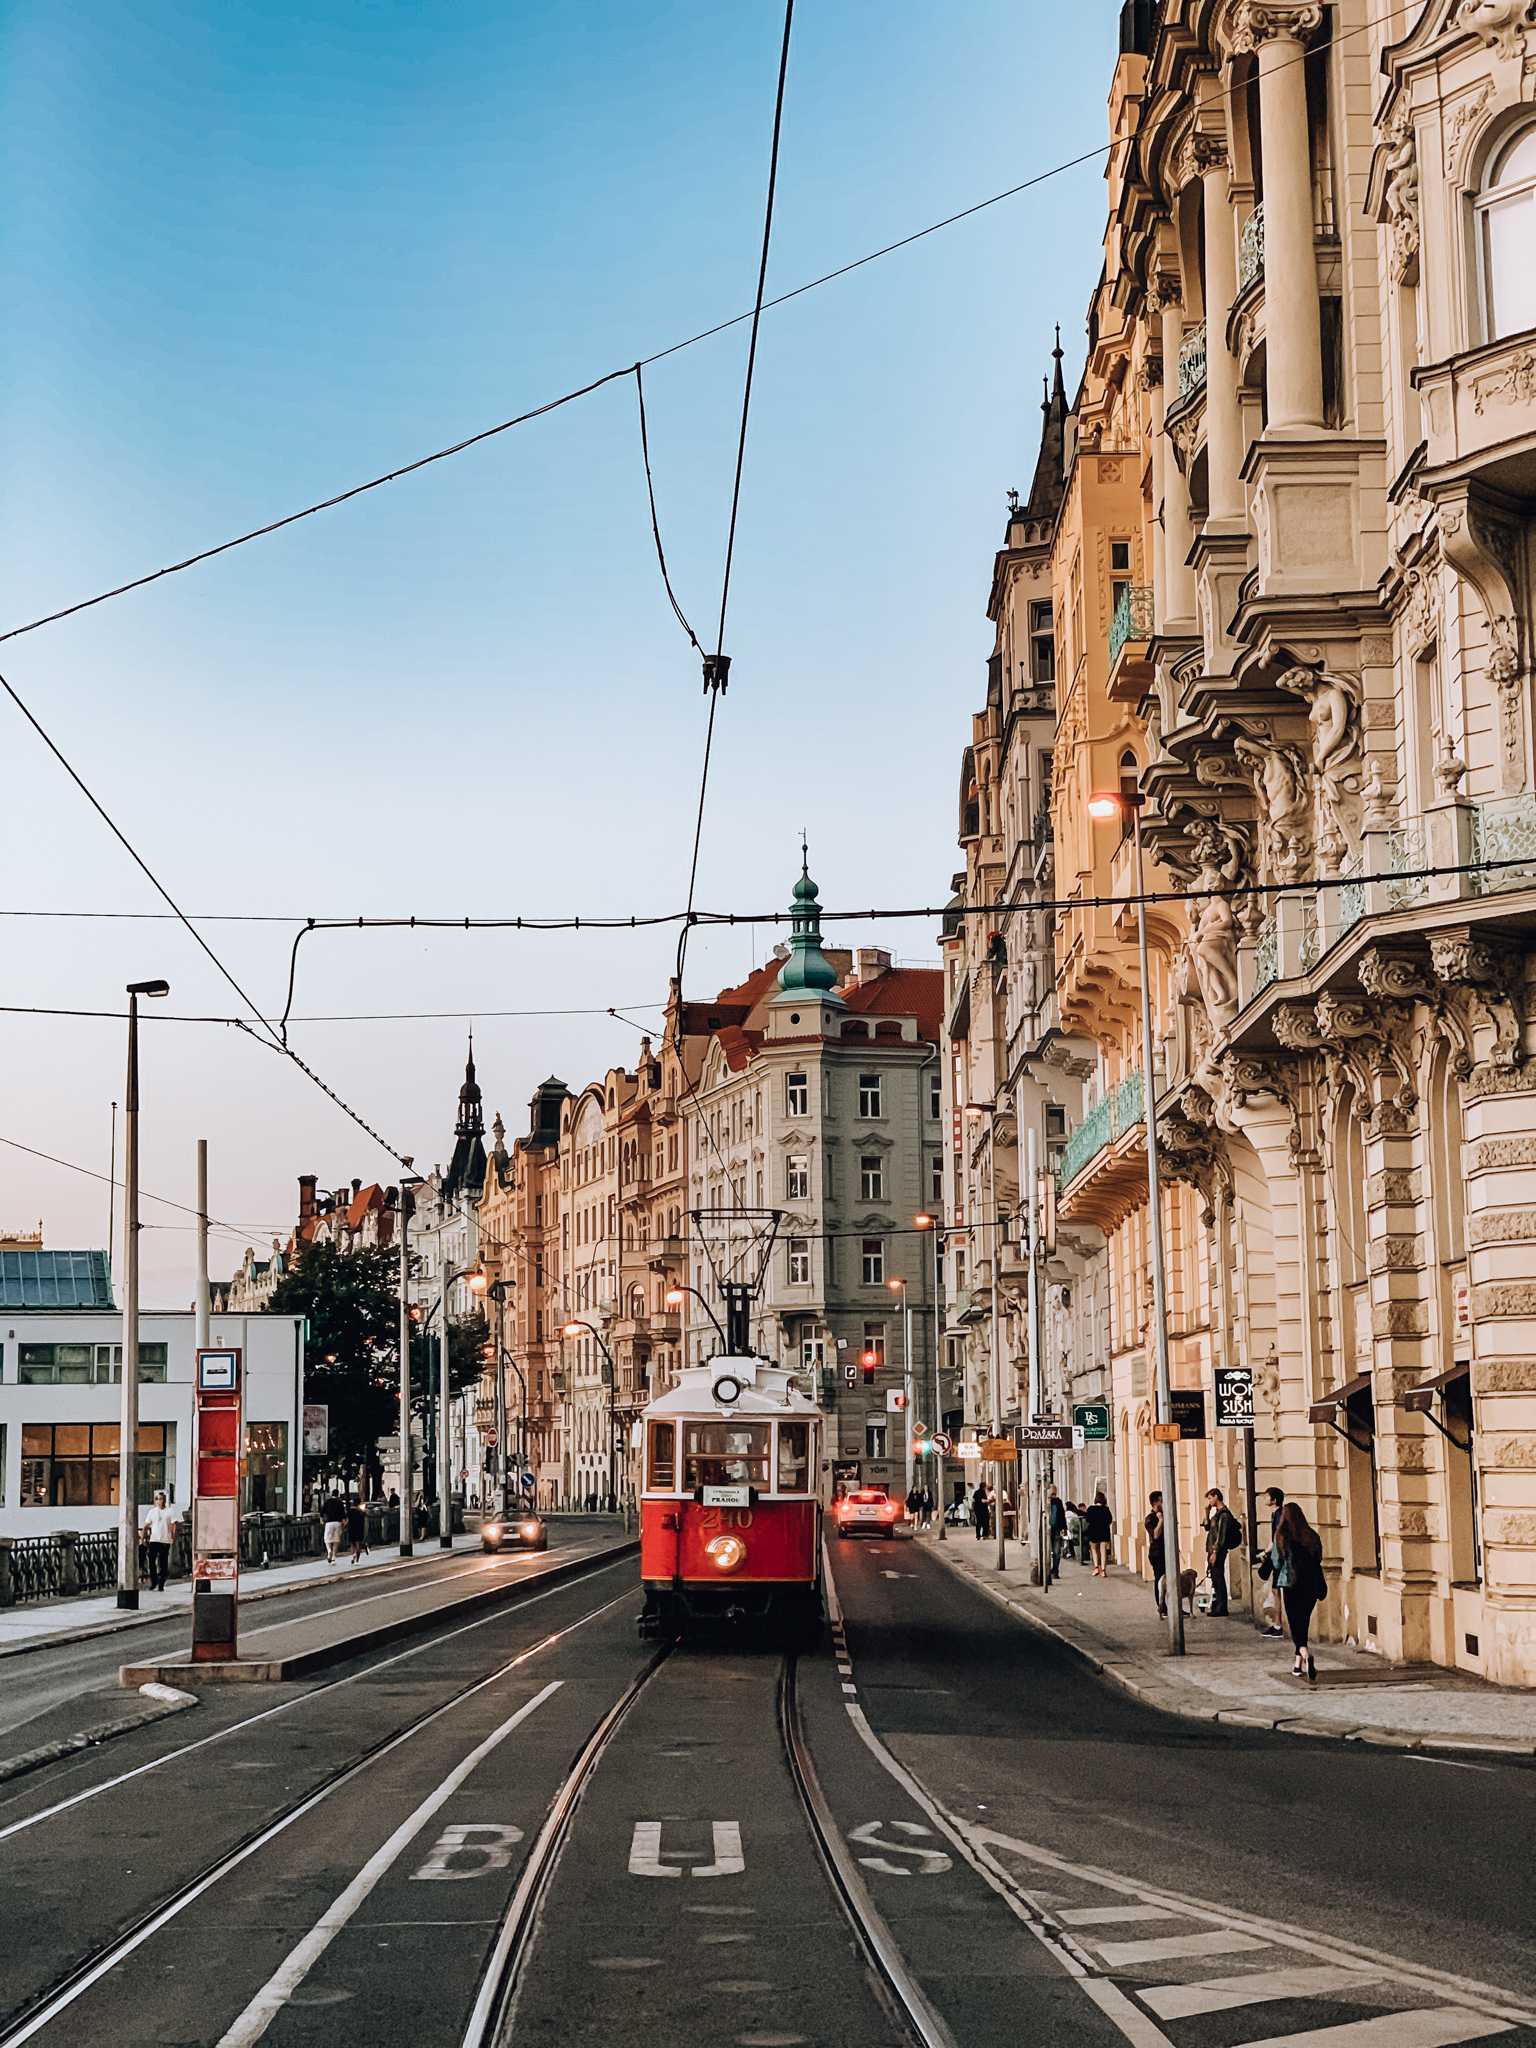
x,y
874,1439
874,1340
869,1095
936,1096
873,1253
797,1177
1507,237
75,1464
959,1269
799,1262
938,1178
76,1365
1120,555
1042,644
797,1095
871,1180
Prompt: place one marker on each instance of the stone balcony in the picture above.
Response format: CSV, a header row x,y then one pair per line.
x,y
1480,416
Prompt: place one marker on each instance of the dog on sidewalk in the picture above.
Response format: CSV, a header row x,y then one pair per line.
x,y
1187,1584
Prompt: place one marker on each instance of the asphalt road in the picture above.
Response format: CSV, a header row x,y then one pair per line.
x,y
1051,1862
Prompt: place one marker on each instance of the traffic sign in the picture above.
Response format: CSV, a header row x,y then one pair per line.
x,y
488,1433
526,1481
942,1444
919,1429
1092,1418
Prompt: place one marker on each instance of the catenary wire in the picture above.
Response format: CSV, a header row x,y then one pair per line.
x,y
1057,170
235,1229
650,492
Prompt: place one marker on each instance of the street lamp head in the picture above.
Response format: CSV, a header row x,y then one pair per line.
x,y
1114,803
674,1297
478,1281
896,1286
573,1329
149,988
923,1222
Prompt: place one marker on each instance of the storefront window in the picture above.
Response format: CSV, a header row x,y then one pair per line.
x,y
265,1489
75,1464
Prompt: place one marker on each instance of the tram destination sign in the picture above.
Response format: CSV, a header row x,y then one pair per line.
x,y
1234,1396
727,1496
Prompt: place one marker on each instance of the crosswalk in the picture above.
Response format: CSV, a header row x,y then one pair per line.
x,y
1198,1976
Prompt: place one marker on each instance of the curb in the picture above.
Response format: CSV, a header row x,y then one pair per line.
x,y
163,1702
1165,1702
141,1620
285,1669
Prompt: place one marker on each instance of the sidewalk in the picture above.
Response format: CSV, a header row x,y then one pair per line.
x,y
41,1624
1233,1674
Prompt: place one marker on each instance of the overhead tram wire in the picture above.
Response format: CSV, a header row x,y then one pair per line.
x,y
246,1231
661,355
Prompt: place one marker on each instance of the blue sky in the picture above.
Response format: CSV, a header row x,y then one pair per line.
x,y
252,254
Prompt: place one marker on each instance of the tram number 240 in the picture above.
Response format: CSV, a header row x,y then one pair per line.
x,y
726,1518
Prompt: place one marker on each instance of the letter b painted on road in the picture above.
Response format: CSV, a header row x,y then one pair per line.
x,y
481,1845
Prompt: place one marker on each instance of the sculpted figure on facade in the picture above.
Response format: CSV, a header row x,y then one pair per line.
x,y
1401,196
1219,858
1334,720
1282,788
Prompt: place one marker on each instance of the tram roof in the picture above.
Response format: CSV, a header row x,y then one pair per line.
x,y
767,1392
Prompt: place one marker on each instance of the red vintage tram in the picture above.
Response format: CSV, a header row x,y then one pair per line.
x,y
730,1515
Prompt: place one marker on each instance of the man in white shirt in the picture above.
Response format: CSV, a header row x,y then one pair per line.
x,y
159,1534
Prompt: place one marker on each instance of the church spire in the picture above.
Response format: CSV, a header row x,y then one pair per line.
x,y
471,1123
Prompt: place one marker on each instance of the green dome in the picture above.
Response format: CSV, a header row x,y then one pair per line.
x,y
807,974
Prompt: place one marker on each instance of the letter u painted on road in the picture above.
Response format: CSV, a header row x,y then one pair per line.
x,y
645,1852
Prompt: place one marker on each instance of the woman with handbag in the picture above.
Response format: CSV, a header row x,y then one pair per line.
x,y
1296,1568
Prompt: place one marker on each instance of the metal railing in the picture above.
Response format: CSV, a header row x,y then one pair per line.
x,y
1311,939
1192,360
1108,1120
1352,897
1406,851
1133,618
1250,249
1505,829
1266,956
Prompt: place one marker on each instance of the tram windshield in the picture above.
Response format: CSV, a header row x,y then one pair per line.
x,y
725,1454
793,1465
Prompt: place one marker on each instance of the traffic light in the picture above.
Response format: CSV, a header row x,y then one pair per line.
x,y
898,1400
870,1360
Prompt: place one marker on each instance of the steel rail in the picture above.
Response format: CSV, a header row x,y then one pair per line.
x,y
894,1984
490,2017
42,2010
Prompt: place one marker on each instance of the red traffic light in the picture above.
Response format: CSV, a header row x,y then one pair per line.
x,y
898,1401
870,1360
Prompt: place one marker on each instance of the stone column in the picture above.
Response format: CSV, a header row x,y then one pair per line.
x,y
1292,325
69,1561
1223,420
1179,577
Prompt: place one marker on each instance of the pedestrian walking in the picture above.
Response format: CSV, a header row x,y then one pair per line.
x,y
1296,1565
1100,1524
915,1505
158,1534
927,1508
357,1530
1222,1533
1153,1524
335,1527
1056,1517
981,1514
1271,1603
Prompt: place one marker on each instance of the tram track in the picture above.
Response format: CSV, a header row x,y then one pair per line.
x,y
56,1999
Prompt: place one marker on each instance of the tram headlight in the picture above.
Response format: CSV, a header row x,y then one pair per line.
x,y
726,1389
726,1553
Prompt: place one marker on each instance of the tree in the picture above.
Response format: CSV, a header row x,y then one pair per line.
x,y
352,1304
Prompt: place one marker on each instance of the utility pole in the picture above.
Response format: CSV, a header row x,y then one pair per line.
x,y
407,1521
128,1427
201,1308
1029,1212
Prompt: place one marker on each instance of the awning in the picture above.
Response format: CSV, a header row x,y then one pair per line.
x,y
1326,1409
1447,1378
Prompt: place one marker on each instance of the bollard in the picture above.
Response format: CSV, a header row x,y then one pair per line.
x,y
69,1563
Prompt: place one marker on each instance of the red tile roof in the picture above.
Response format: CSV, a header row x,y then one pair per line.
x,y
904,992
738,1045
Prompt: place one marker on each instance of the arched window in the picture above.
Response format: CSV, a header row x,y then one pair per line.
x,y
1506,209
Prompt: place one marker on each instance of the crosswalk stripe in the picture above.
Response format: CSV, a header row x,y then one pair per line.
x,y
1169,1947
1219,1994
1110,1916
1436,2026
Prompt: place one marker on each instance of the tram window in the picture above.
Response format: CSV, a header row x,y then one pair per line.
x,y
792,1459
725,1454
663,1457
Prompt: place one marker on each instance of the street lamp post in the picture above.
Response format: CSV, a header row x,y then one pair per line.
x,y
1122,803
674,1299
899,1289
932,1223
978,1109
576,1324
128,1431
407,1518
